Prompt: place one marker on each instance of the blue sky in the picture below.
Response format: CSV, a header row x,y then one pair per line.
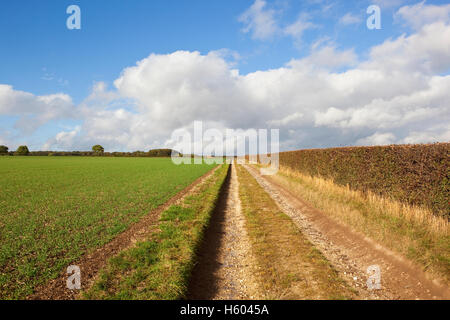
x,y
115,34
41,57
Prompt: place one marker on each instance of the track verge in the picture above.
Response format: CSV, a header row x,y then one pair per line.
x,y
159,264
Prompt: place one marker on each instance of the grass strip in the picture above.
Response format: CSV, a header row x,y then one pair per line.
x,y
290,266
159,267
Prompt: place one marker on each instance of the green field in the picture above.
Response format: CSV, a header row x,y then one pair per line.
x,y
53,210
159,267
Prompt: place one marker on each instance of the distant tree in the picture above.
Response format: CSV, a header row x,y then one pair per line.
x,y
160,153
98,149
22,151
3,149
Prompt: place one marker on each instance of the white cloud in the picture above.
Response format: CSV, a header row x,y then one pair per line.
x,y
332,117
33,111
310,103
297,28
399,94
414,107
64,140
262,24
349,18
420,14
428,135
259,21
427,51
290,120
326,57
377,139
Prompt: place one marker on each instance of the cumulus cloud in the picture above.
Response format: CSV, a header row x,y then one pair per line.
x,y
33,111
427,135
290,120
64,140
377,139
306,99
326,57
399,94
427,51
259,21
420,14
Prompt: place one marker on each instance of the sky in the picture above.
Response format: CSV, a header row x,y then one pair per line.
x,y
137,71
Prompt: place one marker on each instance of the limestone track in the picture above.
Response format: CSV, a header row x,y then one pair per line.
x,y
225,267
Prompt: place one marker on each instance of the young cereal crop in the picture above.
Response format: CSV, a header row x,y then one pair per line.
x,y
159,267
53,210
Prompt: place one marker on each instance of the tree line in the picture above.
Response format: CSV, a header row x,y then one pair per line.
x,y
97,151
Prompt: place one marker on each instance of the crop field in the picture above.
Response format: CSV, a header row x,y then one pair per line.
x,y
144,228
55,209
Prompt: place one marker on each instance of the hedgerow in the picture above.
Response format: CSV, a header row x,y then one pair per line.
x,y
415,174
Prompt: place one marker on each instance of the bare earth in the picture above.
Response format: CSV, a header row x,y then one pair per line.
x,y
350,252
225,267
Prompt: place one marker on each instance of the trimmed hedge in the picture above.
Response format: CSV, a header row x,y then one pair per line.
x,y
415,174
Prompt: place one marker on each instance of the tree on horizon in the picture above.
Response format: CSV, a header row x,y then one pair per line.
x,y
98,149
22,151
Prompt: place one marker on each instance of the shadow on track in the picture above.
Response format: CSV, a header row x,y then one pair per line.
x,y
203,281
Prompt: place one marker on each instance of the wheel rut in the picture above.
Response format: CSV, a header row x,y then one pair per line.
x,y
225,268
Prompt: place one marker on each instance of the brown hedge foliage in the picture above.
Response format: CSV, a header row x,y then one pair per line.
x,y
416,174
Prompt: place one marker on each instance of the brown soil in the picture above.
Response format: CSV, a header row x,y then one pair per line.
x,y
91,263
225,265
350,252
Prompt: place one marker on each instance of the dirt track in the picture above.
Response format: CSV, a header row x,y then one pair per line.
x,y
351,253
225,267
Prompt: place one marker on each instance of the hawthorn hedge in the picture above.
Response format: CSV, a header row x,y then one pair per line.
x,y
415,174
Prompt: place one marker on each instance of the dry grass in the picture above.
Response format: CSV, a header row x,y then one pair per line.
x,y
290,267
414,232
